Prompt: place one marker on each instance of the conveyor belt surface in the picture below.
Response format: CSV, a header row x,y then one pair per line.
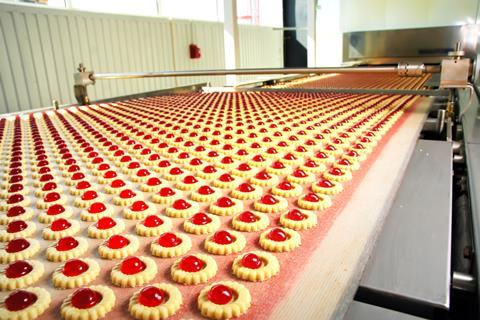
x,y
283,157
364,81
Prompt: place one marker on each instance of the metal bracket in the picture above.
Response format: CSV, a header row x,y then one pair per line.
x,y
82,79
410,70
455,73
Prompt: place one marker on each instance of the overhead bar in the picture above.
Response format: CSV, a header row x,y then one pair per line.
x,y
223,72
84,78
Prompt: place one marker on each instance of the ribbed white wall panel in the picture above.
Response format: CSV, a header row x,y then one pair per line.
x,y
208,36
40,49
260,47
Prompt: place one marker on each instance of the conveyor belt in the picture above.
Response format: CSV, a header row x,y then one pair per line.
x,y
159,137
363,81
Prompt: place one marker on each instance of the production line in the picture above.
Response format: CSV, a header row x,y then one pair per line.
x,y
334,195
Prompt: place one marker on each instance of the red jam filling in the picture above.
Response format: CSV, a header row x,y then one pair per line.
x,y
60,224
312,197
105,223
19,300
205,190
16,187
181,204
52,196
289,157
166,192
49,186
310,164
225,202
152,296
134,165
285,185
196,162
154,181
344,162
227,160
117,242
190,180
258,158
278,165
176,171
164,164
337,141
296,215
191,264
89,195
16,226
46,177
127,194
83,185
110,174
97,207
226,178
223,237
268,199
17,245
200,219
18,269
321,155
262,175
251,261
336,171
85,298
139,206
75,267
248,217
209,169
132,265
117,183
299,173
352,153
244,167
325,184
143,173
15,211
220,294
15,198
152,221
77,176
169,240
277,234
66,244
55,209
245,187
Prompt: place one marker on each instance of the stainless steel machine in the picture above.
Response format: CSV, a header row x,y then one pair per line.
x,y
424,264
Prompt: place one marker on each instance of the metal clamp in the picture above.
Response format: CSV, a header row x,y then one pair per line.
x,y
82,79
410,70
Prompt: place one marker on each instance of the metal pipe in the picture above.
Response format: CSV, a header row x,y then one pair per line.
x,y
458,158
223,72
464,282
456,146
290,28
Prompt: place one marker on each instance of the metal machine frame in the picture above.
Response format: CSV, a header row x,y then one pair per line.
x,y
377,298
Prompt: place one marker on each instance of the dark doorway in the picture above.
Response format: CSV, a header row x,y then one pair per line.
x,y
295,41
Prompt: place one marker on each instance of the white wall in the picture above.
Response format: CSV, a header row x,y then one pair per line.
x,y
40,49
393,14
337,16
328,33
